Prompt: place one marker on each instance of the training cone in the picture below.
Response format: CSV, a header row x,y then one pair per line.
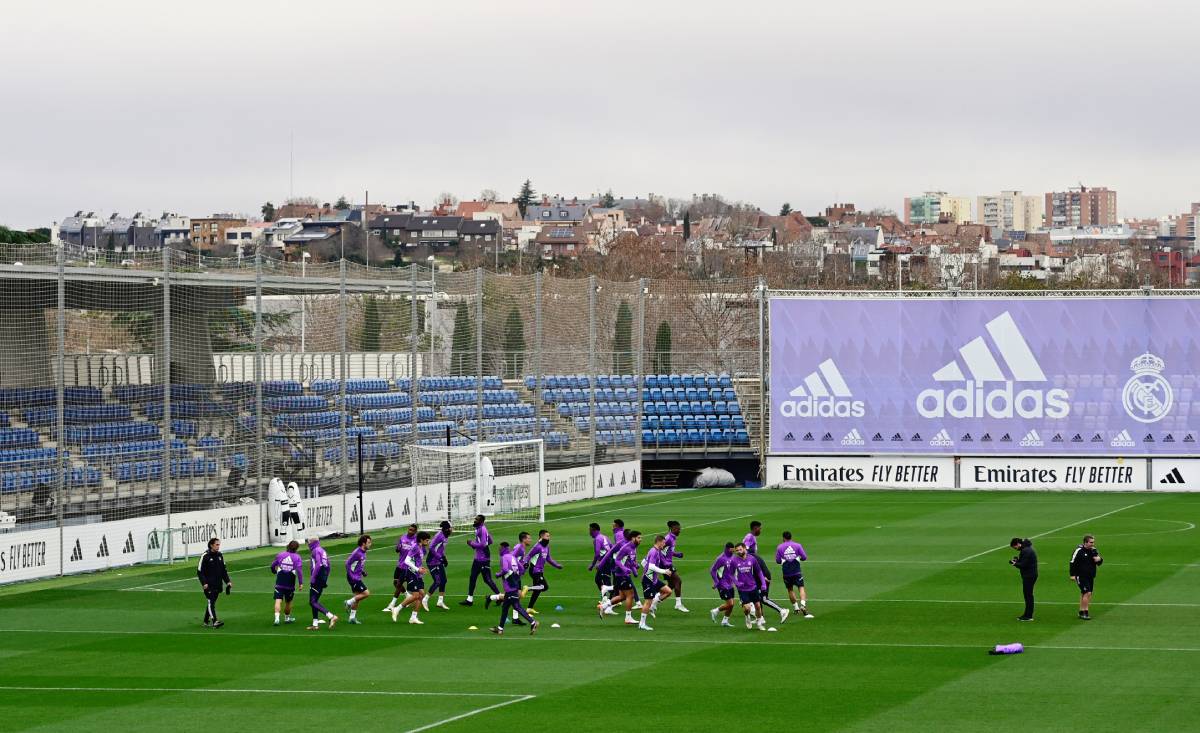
x,y
772,629
558,607
555,626
472,628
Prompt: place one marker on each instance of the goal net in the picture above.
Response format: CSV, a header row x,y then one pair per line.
x,y
166,545
502,481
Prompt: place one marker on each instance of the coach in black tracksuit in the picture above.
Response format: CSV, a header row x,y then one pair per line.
x,y
1084,562
212,575
1026,562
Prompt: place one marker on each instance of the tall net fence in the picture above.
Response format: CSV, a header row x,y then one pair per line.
x,y
136,387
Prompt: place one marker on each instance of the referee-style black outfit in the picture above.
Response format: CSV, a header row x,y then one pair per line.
x,y
1026,561
213,577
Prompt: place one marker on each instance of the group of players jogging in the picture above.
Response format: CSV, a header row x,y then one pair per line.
x,y
739,572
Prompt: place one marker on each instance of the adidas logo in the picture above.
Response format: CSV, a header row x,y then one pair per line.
x,y
897,437
966,438
1097,438
1173,477
987,438
77,553
1032,440
824,393
827,436
1077,438
789,438
1057,438
942,439
388,513
1005,438
425,499
916,438
611,482
441,505
876,438
808,436
128,548
407,508
1188,438
1169,439
974,400
853,438
103,551
354,514
153,542
1123,440
1148,439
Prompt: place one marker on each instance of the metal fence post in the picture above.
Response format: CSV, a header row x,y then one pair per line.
x,y
412,362
60,484
345,366
762,381
479,354
537,347
640,379
167,432
592,373
258,388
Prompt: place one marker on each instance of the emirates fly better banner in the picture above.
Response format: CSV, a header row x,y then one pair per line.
x,y
1029,376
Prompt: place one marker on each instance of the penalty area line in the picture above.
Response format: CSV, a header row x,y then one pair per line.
x,y
250,691
470,713
1056,529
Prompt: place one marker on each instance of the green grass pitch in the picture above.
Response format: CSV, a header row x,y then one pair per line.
x,y
909,590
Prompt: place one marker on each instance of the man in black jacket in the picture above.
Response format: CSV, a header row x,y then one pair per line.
x,y
1084,562
213,575
1026,562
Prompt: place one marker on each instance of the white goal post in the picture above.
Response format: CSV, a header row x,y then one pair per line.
x,y
502,481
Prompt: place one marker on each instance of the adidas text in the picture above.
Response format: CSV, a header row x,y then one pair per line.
x,y
974,400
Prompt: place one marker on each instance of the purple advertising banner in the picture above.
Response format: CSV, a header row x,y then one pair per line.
x,y
1034,376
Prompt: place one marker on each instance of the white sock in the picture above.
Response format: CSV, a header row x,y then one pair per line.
x,y
470,599
605,589
605,604
353,613
629,615
414,615
276,618
328,615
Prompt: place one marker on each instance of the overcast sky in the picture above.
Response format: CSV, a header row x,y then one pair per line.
x,y
149,105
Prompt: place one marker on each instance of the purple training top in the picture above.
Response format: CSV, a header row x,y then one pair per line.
x,y
722,570
669,553
318,558
600,548
751,543
437,551
538,556
624,560
510,571
619,536
789,554
655,558
403,547
482,539
287,568
356,565
412,559
746,575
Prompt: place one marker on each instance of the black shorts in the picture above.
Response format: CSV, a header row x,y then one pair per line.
x,y
399,577
1085,584
603,577
749,596
285,595
538,579
320,580
725,594
356,586
651,588
415,582
622,582
793,581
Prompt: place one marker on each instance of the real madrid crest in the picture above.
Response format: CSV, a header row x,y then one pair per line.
x,y
1147,395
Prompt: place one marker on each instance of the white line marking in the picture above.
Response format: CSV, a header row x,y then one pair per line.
x,y
469,713
719,521
636,507
31,688
1057,529
609,640
1187,527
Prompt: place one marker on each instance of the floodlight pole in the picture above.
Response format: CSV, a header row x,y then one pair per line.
x,y
361,518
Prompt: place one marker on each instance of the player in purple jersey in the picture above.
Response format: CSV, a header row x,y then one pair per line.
x,y
600,547
518,552
619,537
404,546
654,584
288,568
625,567
537,560
435,560
318,580
722,577
789,554
413,565
511,570
669,555
481,566
751,543
748,580
356,570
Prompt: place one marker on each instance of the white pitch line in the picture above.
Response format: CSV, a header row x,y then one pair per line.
x,y
641,639
719,521
636,507
469,713
390,693
1057,529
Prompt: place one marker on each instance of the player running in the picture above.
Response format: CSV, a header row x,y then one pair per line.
x,y
414,570
722,577
624,565
435,560
318,580
537,559
482,564
404,546
669,555
288,568
751,543
510,574
356,570
654,588
601,546
748,579
789,554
